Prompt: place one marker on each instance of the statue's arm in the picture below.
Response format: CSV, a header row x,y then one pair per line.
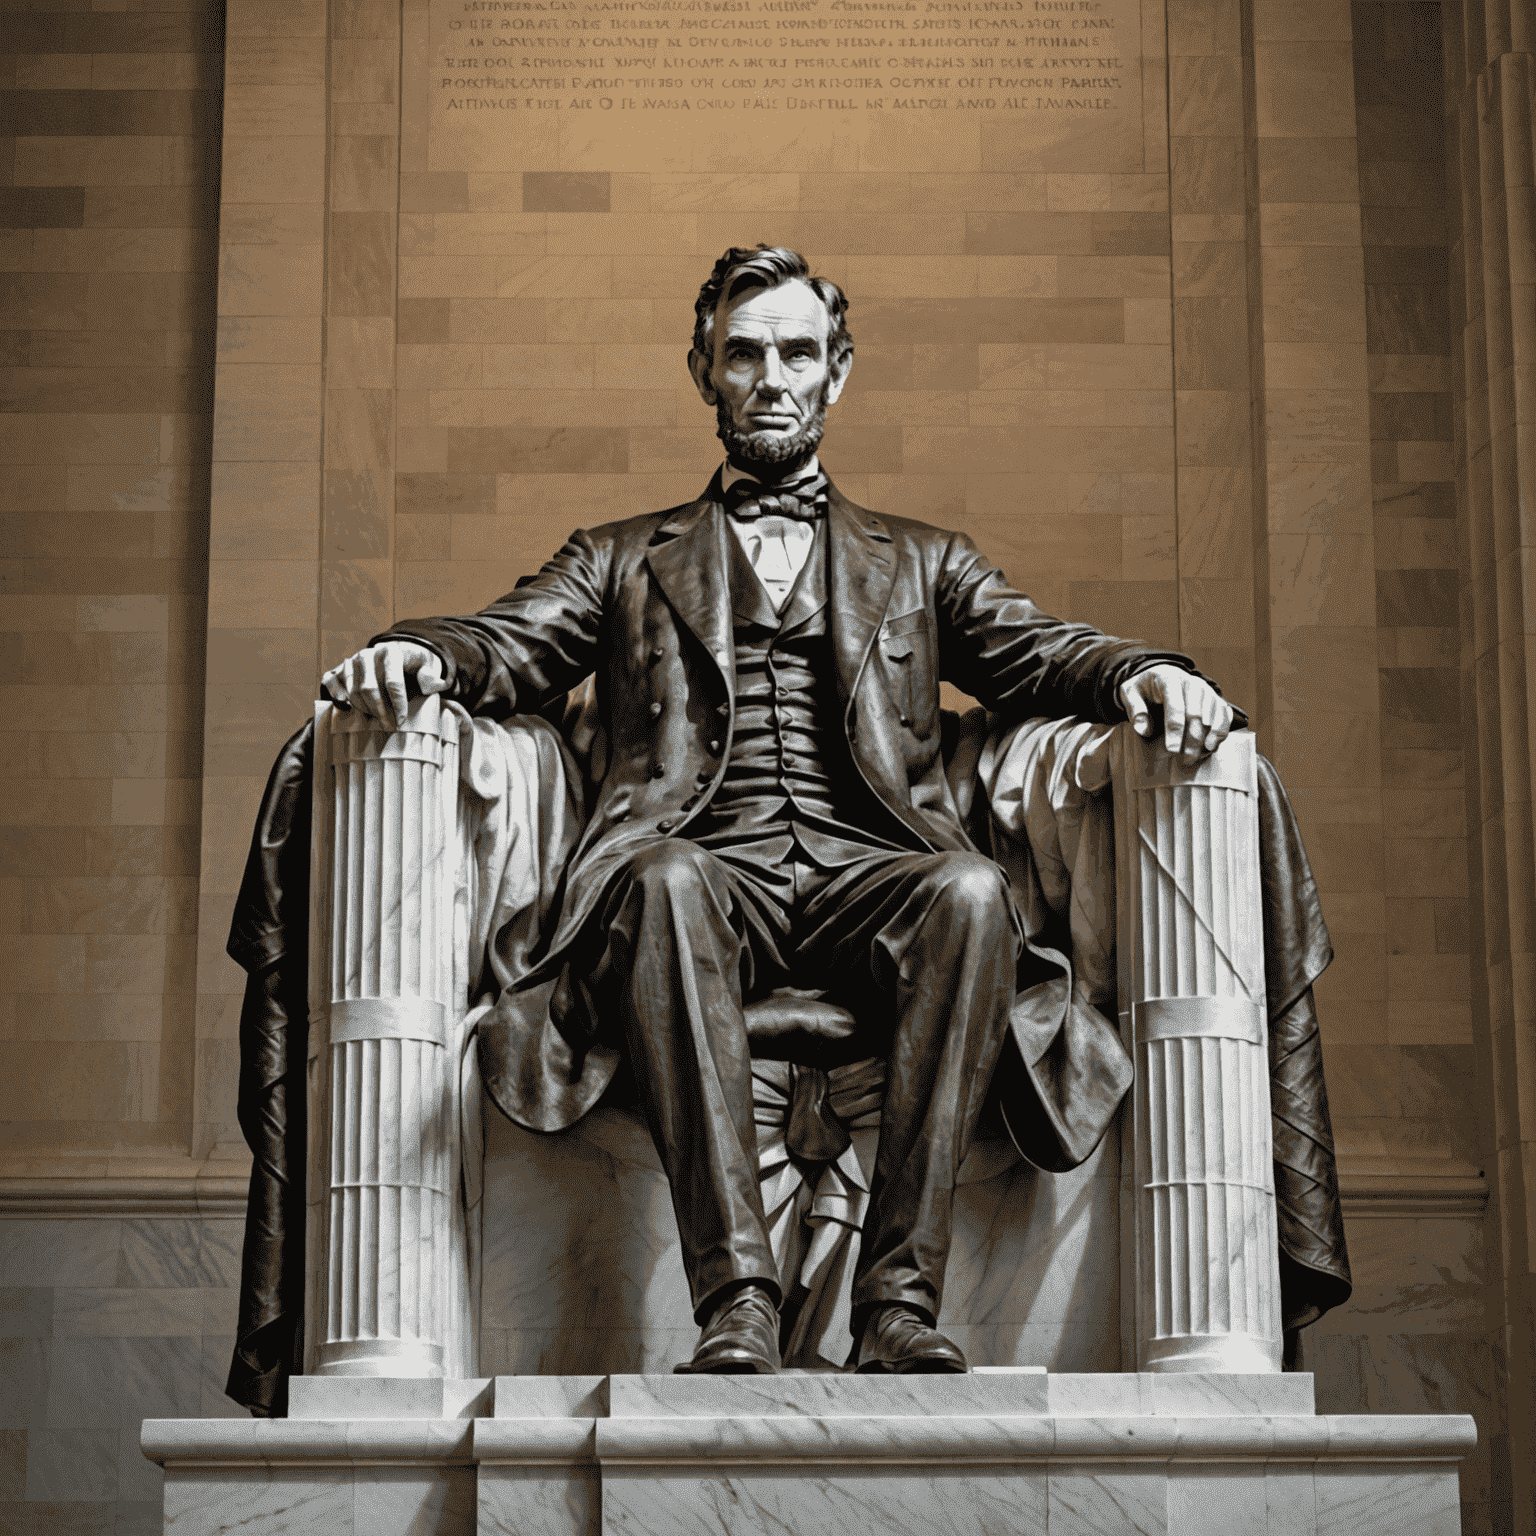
x,y
526,648
997,646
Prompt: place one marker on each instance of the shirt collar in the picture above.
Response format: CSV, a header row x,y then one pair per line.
x,y
729,474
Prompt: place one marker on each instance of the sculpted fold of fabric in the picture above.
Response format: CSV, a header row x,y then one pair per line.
x,y
269,940
1314,1261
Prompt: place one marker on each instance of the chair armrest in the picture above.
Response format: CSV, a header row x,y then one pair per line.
x,y
1192,1007
383,1063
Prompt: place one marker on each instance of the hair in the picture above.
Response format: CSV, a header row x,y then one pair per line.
x,y
767,266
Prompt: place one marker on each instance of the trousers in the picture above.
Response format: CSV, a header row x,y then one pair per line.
x,y
926,944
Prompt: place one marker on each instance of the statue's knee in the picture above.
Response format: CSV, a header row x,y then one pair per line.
x,y
674,867
972,888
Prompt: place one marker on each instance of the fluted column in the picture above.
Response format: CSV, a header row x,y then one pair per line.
x,y
382,1072
1490,52
1191,955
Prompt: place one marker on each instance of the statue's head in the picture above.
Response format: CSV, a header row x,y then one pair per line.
x,y
771,351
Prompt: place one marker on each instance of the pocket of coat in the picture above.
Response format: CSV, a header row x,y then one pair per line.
x,y
905,644
904,624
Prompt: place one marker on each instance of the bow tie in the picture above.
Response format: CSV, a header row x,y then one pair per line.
x,y
746,500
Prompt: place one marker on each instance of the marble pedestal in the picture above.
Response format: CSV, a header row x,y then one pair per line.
x,y
814,1455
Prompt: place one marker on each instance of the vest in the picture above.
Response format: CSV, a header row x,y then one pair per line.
x,y
789,766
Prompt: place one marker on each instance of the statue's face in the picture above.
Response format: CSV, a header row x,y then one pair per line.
x,y
770,372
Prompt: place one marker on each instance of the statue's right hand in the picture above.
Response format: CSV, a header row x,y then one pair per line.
x,y
380,679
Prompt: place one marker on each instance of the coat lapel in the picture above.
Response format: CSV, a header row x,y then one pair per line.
x,y
688,563
862,571
809,594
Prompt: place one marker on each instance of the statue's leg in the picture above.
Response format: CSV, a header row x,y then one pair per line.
x,y
676,959
935,934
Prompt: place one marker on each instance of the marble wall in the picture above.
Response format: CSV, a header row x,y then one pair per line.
x,y
1421,1052
109,145
264,525
1009,306
1491,187
1415,1339
102,1324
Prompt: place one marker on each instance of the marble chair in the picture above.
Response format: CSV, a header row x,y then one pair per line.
x,y
444,1241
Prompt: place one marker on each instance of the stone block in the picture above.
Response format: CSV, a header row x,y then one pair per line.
x,y
1304,89
1361,1498
1206,95
1007,1392
360,1397
209,1503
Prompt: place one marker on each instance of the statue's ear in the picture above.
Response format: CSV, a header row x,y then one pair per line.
x,y
698,366
838,370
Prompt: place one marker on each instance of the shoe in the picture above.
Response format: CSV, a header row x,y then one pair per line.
x,y
741,1339
897,1342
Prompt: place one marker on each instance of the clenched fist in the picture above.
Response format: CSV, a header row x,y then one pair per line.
x,y
381,679
1196,719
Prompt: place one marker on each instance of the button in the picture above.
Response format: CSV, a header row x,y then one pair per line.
x,y
655,709
714,747
906,719
782,693
659,771
657,654
665,826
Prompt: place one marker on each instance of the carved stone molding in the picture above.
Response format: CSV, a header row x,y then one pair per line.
x,y
1408,1192
213,1196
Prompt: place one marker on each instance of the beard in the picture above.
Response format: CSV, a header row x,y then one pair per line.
x,y
771,454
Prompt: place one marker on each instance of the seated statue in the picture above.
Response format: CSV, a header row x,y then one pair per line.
x,y
772,819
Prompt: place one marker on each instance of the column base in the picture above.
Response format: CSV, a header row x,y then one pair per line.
x,y
380,1357
817,1455
1207,1353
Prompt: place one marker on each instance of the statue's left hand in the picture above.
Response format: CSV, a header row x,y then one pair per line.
x,y
1196,719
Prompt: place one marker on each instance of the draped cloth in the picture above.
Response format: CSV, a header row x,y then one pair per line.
x,y
269,940
815,1207
1052,828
